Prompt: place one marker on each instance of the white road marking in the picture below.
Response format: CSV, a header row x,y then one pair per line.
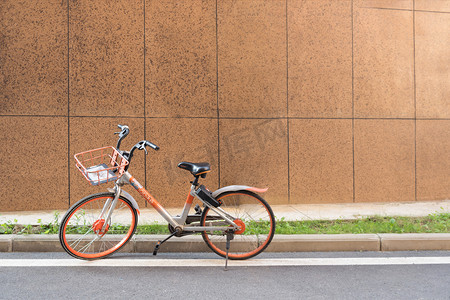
x,y
270,262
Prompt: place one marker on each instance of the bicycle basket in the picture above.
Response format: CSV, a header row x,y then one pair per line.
x,y
101,165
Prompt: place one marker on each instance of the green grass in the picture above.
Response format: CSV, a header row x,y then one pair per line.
x,y
434,223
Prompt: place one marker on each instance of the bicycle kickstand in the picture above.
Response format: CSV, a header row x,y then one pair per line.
x,y
230,236
159,243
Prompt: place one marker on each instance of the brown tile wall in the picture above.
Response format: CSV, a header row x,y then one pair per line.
x,y
322,101
320,59
34,163
33,58
321,160
389,4
433,165
180,66
254,152
384,160
106,70
432,64
383,63
434,6
251,45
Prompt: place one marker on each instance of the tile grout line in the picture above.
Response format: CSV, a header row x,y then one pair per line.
x,y
68,100
145,113
404,9
217,96
432,11
36,116
353,107
415,103
287,103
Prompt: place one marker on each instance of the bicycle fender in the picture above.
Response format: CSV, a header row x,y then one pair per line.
x,y
129,197
233,188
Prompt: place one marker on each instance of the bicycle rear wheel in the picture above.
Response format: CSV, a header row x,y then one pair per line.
x,y
83,233
252,214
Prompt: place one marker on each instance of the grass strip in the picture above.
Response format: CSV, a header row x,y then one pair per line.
x,y
434,223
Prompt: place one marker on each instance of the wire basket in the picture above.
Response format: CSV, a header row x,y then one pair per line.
x,y
101,165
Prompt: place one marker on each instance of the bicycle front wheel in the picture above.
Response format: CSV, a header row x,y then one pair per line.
x,y
254,217
84,234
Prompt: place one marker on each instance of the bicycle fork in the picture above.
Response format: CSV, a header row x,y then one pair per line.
x,y
109,206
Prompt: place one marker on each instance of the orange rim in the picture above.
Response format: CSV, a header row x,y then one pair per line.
x,y
109,251
247,254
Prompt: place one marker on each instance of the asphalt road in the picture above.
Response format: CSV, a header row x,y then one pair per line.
x,y
407,280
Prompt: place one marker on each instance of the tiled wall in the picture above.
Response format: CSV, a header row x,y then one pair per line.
x,y
323,101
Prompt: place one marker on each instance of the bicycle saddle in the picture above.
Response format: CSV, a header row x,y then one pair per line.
x,y
195,168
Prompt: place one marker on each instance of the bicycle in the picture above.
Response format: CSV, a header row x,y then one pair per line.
x,y
100,224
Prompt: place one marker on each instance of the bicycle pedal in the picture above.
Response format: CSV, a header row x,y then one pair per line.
x,y
159,243
155,251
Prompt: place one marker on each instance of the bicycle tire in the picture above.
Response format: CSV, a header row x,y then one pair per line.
x,y
77,230
248,208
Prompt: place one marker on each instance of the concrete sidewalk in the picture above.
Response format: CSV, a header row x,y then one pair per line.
x,y
280,243
288,212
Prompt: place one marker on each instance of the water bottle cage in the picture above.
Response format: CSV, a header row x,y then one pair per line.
x,y
206,196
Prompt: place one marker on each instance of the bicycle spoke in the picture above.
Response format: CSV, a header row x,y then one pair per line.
x,y
80,239
87,245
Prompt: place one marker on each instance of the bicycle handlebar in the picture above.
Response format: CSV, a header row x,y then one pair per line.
x,y
122,134
125,130
147,143
122,127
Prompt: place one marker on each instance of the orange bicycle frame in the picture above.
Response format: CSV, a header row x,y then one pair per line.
x,y
179,220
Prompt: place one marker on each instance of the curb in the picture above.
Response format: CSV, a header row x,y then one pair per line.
x,y
424,241
280,243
